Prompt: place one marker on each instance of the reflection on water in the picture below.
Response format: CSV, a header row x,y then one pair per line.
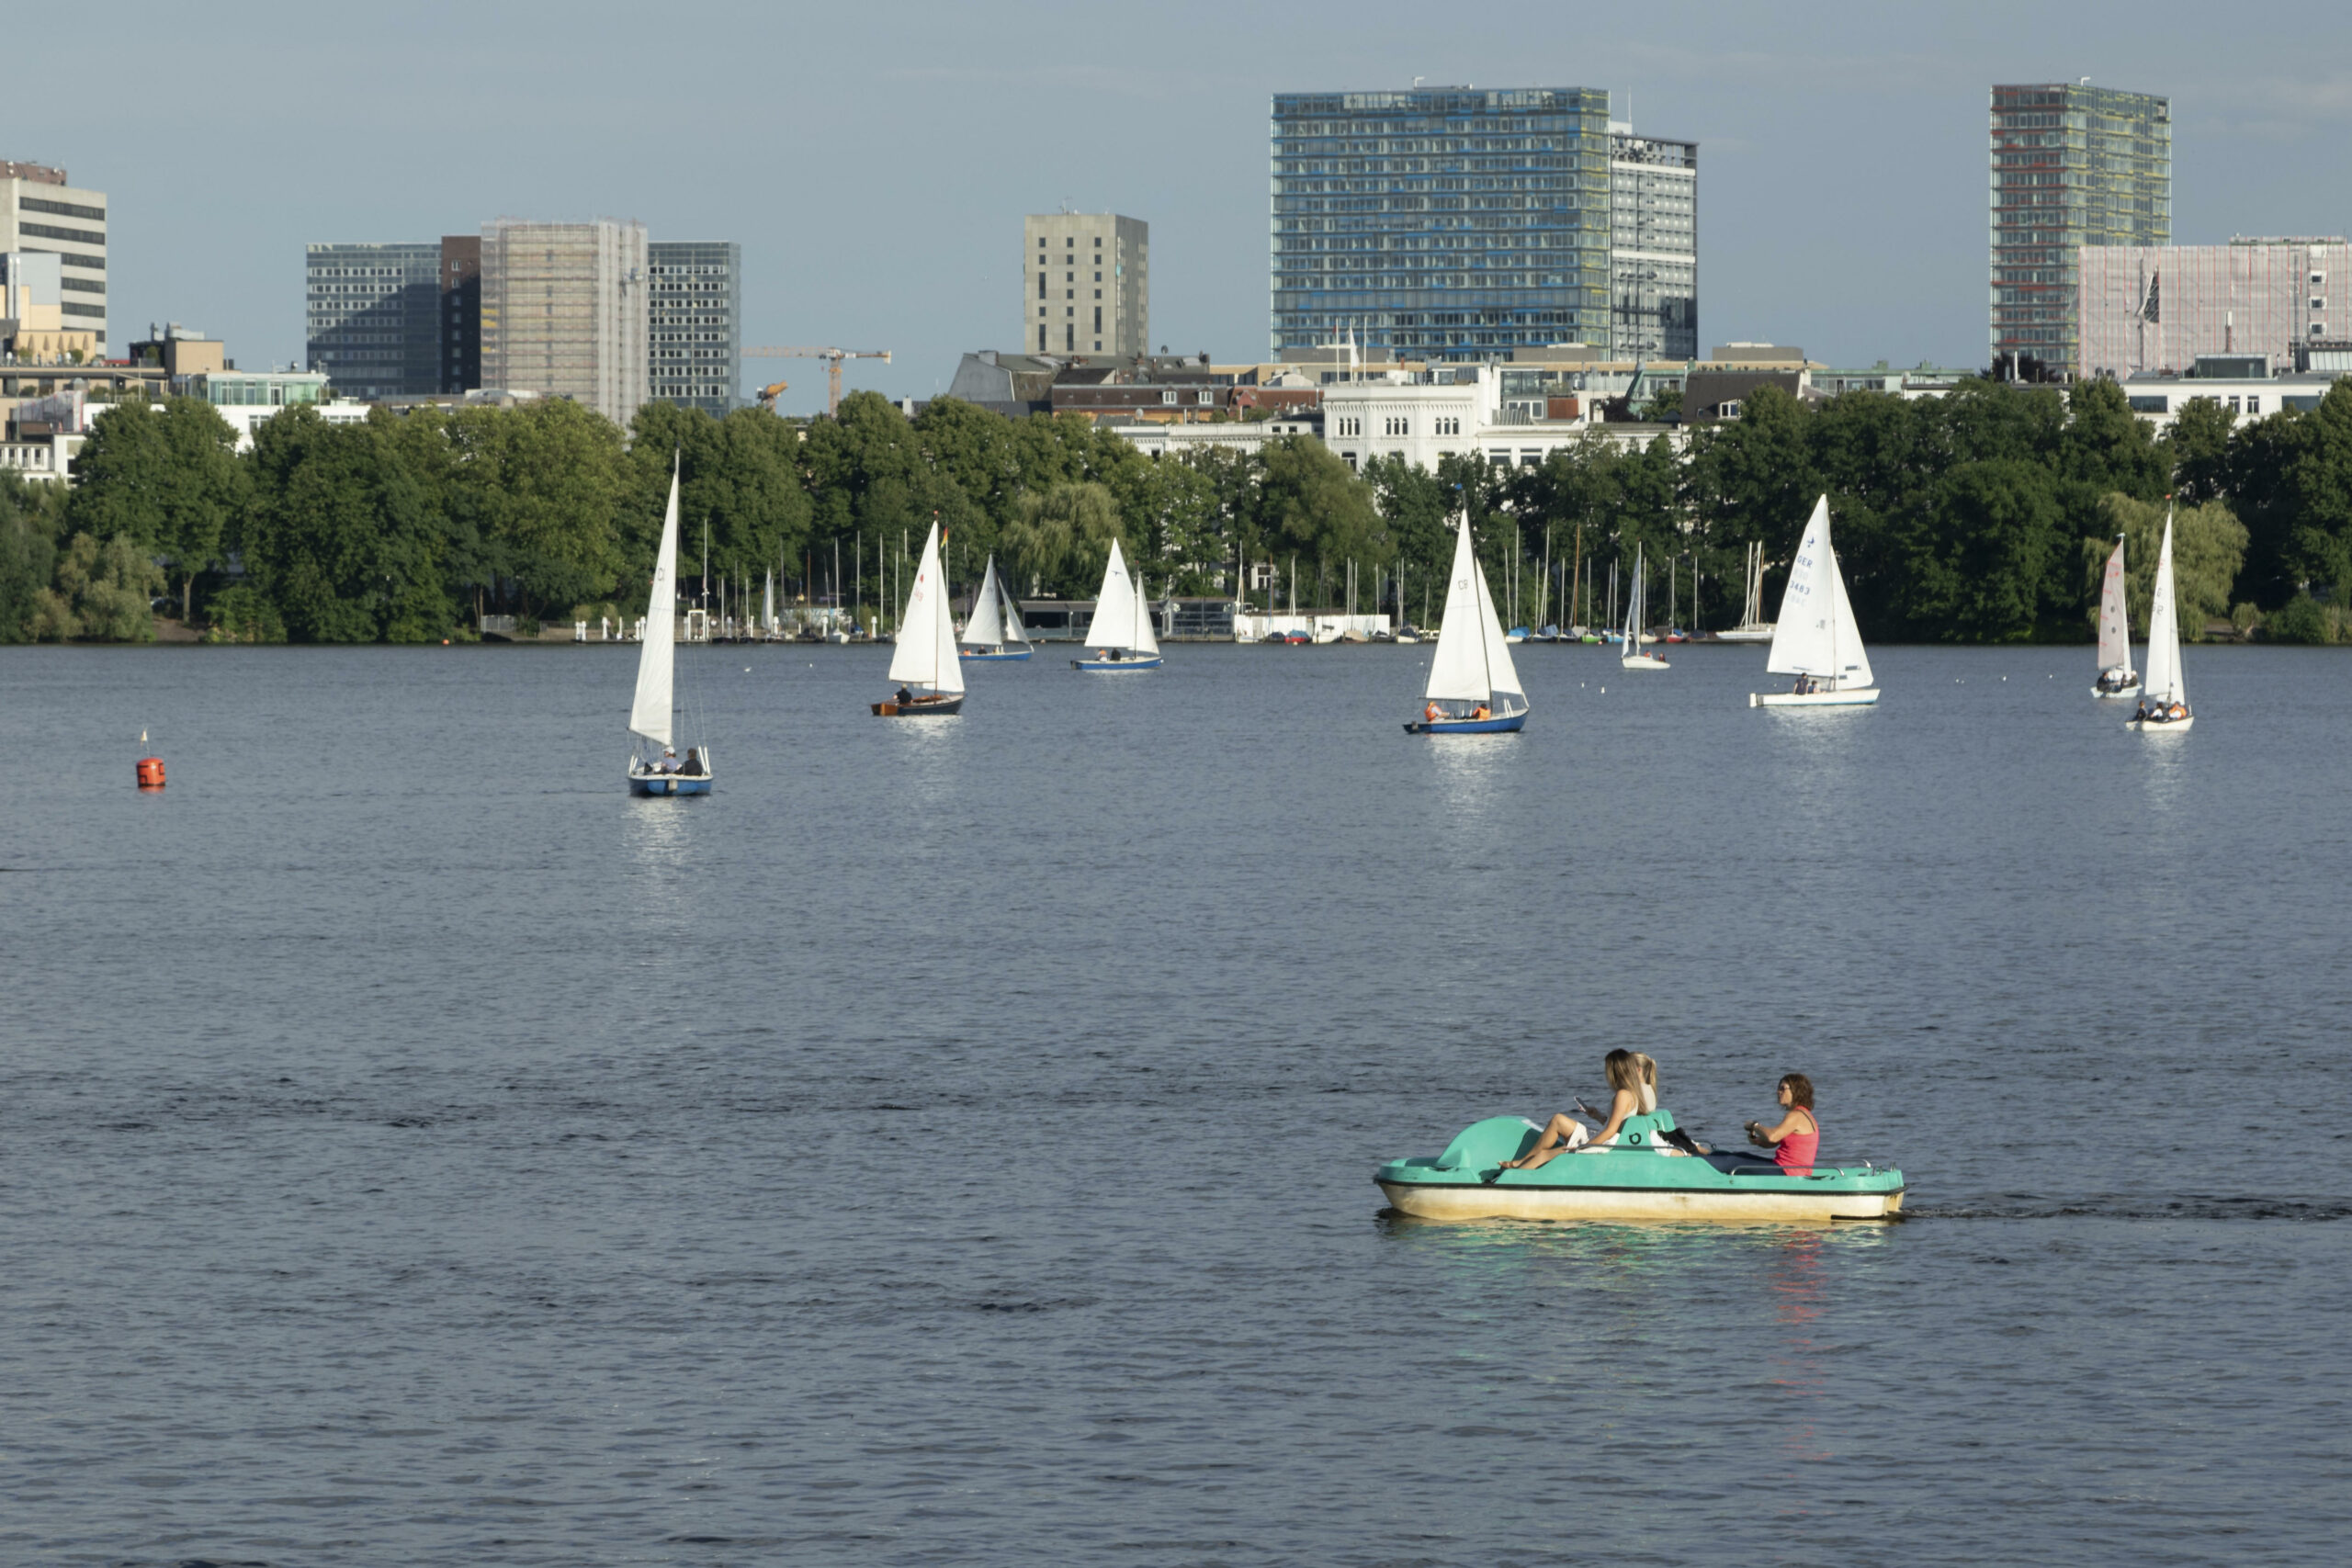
x,y
661,837
1471,769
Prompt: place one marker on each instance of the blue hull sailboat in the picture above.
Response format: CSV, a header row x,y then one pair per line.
x,y
652,771
1120,632
994,634
1474,687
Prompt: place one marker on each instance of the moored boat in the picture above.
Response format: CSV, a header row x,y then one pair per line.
x,y
1816,638
1752,625
1474,687
1643,1176
2116,676
924,660
1121,631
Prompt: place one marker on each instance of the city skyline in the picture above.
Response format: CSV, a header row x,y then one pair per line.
x,y
1843,149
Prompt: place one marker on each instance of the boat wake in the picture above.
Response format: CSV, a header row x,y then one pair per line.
x,y
2306,1210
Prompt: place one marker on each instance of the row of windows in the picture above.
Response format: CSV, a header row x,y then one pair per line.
x,y
75,236
61,209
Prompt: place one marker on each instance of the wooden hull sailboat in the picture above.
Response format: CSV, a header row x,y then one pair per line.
x,y
651,712
2117,679
2163,695
1815,639
923,659
1121,631
994,634
1474,687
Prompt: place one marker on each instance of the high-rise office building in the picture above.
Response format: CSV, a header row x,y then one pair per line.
x,y
460,312
2158,307
1653,246
38,211
1441,222
564,312
695,305
372,318
1085,284
2073,165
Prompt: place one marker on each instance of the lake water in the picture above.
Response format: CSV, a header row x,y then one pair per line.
x,y
952,1143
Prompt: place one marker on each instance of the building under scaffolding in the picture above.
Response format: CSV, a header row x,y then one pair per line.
x,y
2158,307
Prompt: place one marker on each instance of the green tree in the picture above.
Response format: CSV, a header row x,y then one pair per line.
x,y
1060,538
28,523
1309,501
204,495
104,593
1985,556
340,537
122,477
2209,546
2198,447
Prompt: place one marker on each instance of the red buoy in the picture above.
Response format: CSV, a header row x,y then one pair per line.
x,y
151,772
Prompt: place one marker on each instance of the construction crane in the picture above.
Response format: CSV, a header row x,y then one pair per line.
x,y
833,358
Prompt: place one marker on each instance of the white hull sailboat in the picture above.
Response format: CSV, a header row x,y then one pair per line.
x,y
1474,687
1815,639
994,634
2163,695
651,712
923,659
2116,676
1752,625
1634,659
1121,631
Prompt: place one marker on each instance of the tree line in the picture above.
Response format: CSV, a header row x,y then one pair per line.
x,y
1981,516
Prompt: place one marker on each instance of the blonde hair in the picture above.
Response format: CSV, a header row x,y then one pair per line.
x,y
1648,1091
1624,1070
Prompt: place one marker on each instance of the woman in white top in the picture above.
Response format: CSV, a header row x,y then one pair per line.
x,y
1564,1132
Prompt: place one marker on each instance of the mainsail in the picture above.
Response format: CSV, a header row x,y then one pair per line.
x,y
648,714
1634,607
2162,683
1473,660
1122,618
1815,634
2114,625
925,654
995,621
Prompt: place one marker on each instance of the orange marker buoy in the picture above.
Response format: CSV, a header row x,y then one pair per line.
x,y
151,772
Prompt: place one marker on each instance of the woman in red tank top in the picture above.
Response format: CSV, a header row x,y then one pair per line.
x,y
1797,1139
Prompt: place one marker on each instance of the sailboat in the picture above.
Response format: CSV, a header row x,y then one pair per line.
x,y
1472,689
1121,629
1753,626
1815,639
2163,696
651,773
2116,676
923,659
1634,659
995,634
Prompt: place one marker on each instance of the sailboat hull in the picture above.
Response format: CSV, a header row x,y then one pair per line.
x,y
1745,634
1507,724
921,708
2118,692
668,784
2164,726
1114,666
1860,697
1642,661
995,655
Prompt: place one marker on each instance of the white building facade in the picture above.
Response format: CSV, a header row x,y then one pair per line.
x,y
565,312
38,211
1085,284
2159,308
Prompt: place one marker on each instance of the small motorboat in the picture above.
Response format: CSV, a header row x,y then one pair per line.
x,y
1647,1173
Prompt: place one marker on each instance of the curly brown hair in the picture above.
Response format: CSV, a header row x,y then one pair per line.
x,y
1800,1090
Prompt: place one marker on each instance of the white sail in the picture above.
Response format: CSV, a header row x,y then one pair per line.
x,y
1119,614
1634,607
1502,676
1013,630
986,628
2114,625
2162,683
1472,661
925,652
767,606
1146,640
1815,634
649,715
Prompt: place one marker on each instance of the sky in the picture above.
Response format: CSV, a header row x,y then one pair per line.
x,y
875,162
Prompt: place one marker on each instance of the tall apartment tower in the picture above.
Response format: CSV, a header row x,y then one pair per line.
x,y
1442,222
372,316
38,211
696,318
460,312
564,312
2073,165
1085,284
1653,246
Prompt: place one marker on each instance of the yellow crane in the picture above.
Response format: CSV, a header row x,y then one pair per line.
x,y
833,358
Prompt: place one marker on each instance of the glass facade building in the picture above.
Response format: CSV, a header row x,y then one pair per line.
x,y
697,325
2072,165
1441,222
1653,247
373,318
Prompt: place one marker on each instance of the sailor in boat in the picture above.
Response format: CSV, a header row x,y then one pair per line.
x,y
669,764
693,768
1564,1132
904,696
2162,711
1795,1139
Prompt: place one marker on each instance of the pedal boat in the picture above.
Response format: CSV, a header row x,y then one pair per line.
x,y
1636,1179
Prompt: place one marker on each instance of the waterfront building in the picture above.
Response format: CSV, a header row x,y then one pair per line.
x,y
564,312
2158,307
460,312
1085,284
1653,246
2072,165
39,212
372,317
695,325
1443,223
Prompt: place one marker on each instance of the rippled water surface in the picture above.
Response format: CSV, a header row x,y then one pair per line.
x,y
952,1143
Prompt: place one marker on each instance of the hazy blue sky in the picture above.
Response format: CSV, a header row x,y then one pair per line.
x,y
875,160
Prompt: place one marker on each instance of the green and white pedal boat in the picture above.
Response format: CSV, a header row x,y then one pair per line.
x,y
1636,1179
